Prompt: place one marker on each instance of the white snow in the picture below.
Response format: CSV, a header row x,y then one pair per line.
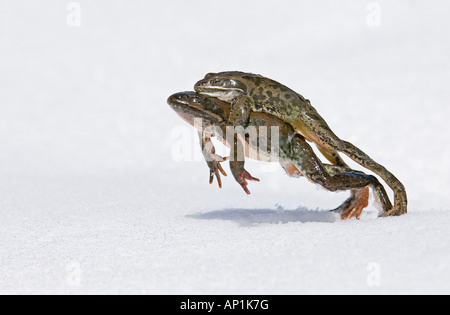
x,y
92,201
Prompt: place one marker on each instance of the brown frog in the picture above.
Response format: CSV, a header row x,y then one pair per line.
x,y
291,150
247,93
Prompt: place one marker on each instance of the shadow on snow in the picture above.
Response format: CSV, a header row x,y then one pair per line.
x,y
246,217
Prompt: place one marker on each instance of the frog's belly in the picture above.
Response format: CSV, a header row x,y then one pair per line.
x,y
291,169
263,152
254,152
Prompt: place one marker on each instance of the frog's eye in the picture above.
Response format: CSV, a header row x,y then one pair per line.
x,y
216,82
229,83
196,99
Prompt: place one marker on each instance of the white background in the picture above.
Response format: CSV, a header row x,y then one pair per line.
x,y
92,201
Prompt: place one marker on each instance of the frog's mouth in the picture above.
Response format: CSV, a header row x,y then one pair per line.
x,y
190,107
185,106
223,94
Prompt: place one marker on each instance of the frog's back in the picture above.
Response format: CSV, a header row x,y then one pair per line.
x,y
277,99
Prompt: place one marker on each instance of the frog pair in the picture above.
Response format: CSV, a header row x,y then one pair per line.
x,y
237,99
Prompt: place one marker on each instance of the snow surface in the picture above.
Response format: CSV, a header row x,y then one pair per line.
x,y
92,200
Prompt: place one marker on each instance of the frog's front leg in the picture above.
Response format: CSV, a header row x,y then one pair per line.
x,y
241,108
212,159
237,164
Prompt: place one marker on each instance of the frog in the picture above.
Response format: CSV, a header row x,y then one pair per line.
x,y
295,155
247,93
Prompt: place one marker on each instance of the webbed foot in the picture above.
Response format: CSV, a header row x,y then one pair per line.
x,y
241,175
354,205
242,180
215,169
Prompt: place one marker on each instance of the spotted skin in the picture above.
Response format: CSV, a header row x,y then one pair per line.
x,y
260,94
295,154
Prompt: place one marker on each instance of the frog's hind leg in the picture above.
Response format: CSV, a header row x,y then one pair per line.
x,y
324,137
333,156
290,169
353,206
359,198
400,197
329,177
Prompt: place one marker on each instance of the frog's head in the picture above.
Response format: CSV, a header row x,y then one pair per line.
x,y
191,106
225,86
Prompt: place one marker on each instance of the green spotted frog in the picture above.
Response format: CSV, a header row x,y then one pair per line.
x,y
211,117
247,93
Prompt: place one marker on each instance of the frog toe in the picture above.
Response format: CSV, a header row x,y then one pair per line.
x,y
400,207
396,211
354,205
242,180
215,170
